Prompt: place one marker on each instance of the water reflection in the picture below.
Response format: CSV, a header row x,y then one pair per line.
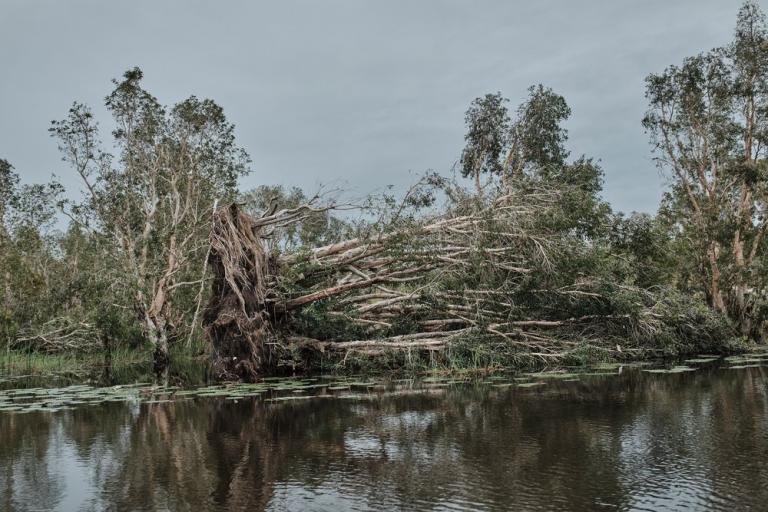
x,y
640,441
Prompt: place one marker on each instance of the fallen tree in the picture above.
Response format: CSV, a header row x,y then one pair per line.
x,y
489,275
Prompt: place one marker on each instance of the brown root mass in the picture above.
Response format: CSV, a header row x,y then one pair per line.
x,y
237,320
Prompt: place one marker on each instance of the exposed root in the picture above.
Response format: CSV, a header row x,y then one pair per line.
x,y
237,320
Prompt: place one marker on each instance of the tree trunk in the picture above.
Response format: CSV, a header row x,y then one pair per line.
x,y
737,303
716,295
478,170
157,333
161,357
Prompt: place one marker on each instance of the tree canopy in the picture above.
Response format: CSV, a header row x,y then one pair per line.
x,y
707,121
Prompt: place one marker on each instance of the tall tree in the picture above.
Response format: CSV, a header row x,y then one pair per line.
x,y
537,137
154,195
707,120
487,123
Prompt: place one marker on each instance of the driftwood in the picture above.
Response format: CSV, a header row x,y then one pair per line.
x,y
418,286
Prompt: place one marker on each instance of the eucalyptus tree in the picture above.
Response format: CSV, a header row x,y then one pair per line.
x,y
487,122
708,121
536,140
152,194
532,143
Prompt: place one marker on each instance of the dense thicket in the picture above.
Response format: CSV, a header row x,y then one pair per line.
x,y
516,258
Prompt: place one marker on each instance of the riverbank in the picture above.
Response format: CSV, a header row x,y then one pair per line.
x,y
460,359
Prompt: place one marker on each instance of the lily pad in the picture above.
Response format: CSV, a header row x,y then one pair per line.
x,y
552,375
288,398
674,369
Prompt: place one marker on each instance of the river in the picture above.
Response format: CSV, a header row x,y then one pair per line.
x,y
620,438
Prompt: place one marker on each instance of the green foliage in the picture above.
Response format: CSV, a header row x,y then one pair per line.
x,y
643,246
682,324
533,144
537,138
487,123
319,319
708,122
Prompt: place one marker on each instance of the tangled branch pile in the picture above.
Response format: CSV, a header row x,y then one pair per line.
x,y
59,335
485,279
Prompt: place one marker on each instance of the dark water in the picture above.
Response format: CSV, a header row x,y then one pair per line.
x,y
633,441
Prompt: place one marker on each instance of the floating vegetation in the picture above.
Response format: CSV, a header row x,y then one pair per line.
x,y
529,384
552,375
746,361
614,367
674,369
287,398
276,389
750,358
287,389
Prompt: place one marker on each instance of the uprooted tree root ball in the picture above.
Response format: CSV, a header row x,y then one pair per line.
x,y
237,319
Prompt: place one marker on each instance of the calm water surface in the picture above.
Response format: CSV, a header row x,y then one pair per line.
x,y
631,441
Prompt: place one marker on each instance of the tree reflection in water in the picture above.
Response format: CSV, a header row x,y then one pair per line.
x,y
633,441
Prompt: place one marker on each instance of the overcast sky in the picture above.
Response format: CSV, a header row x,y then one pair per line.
x,y
357,93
